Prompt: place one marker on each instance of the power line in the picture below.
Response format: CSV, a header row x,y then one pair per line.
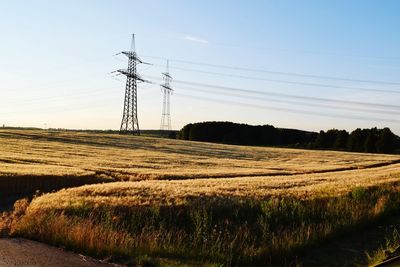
x,y
310,98
289,109
291,102
274,108
296,111
324,77
293,96
287,81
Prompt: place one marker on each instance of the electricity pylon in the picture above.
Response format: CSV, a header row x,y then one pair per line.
x,y
167,90
130,122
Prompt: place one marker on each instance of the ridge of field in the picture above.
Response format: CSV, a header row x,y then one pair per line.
x,y
35,153
182,192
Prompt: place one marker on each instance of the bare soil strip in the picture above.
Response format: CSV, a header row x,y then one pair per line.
x,y
23,252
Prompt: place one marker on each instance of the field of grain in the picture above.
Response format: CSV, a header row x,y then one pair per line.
x,y
230,205
41,153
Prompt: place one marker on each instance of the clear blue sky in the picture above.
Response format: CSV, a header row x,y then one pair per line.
x,y
56,56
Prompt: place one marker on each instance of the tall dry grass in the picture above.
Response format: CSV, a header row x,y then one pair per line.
x,y
244,221
236,231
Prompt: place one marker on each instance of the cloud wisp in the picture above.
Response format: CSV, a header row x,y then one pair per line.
x,y
194,39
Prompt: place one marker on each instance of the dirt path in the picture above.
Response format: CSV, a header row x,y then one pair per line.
x,y
23,252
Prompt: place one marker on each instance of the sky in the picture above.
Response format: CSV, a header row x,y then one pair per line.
x,y
312,65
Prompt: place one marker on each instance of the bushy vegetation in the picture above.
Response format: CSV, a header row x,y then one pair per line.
x,y
231,231
234,133
360,140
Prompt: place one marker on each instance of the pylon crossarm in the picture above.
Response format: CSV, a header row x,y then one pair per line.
x,y
132,55
133,75
167,87
166,74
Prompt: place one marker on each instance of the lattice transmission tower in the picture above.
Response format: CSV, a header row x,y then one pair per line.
x,y
130,122
167,91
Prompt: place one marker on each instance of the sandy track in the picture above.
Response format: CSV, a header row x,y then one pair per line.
x,y
23,252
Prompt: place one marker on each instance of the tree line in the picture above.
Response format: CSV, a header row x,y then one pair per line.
x,y
372,140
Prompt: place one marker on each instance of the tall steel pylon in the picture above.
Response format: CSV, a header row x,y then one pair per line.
x,y
130,122
167,90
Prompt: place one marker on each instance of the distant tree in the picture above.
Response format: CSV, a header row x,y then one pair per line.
x,y
359,140
397,145
321,140
386,141
341,140
370,141
184,132
330,138
356,140
172,135
195,133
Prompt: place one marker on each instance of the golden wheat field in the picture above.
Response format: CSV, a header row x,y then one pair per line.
x,y
163,198
130,158
179,192
187,169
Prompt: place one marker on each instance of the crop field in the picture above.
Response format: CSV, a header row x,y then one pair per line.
x,y
148,199
41,153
